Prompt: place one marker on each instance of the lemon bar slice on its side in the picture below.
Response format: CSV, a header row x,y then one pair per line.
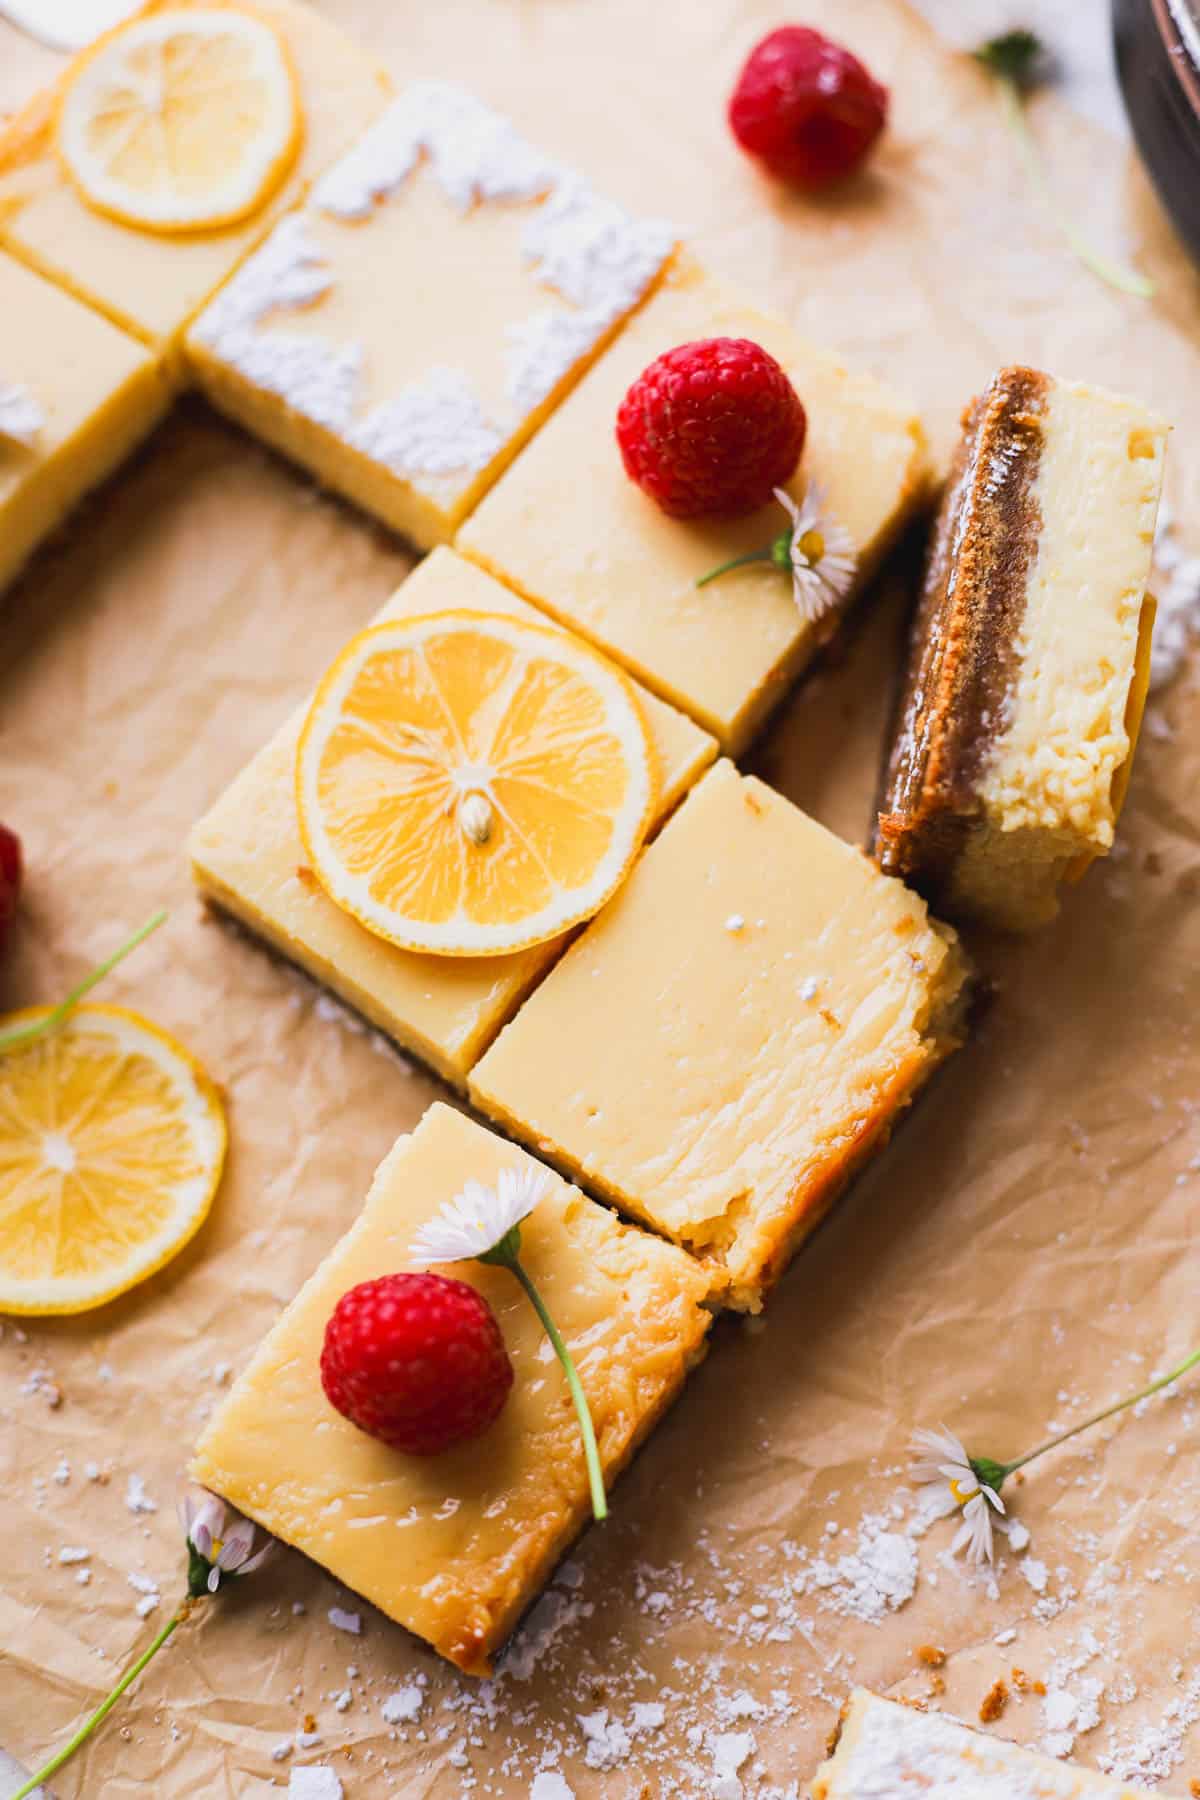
x,y
1030,652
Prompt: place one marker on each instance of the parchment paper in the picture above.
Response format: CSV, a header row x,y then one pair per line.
x,y
1022,1251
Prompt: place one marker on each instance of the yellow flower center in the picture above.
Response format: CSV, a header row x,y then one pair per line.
x,y
218,1544
812,547
962,1494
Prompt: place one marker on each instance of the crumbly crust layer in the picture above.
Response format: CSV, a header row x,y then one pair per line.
x,y
963,644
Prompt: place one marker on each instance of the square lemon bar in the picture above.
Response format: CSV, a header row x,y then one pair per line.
x,y
404,334
1030,653
569,529
152,282
761,1004
248,858
76,396
456,1546
885,1748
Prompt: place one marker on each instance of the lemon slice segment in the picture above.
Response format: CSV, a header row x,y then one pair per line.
x,y
112,1141
184,120
468,784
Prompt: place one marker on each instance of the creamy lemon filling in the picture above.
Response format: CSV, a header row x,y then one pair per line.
x,y
767,1005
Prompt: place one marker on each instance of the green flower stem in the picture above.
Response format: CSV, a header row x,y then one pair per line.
x,y
778,551
102,1711
1126,281
590,1450
18,1035
1097,1418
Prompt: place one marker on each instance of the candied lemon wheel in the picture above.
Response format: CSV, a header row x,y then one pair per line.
x,y
468,784
112,1141
184,120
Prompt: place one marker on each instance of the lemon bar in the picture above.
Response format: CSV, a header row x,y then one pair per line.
x,y
76,396
248,858
456,1546
152,282
762,1005
885,1748
569,529
1030,652
404,334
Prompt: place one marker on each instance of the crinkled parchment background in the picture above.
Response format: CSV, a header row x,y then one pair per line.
x,y
1024,1249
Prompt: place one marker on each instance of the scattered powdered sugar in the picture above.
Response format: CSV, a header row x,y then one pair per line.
x,y
1153,1751
1175,583
873,1579
345,1621
136,1497
579,244
548,1784
404,1706
21,418
731,1750
314,1783
607,1741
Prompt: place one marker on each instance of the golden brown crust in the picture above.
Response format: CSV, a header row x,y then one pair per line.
x,y
962,647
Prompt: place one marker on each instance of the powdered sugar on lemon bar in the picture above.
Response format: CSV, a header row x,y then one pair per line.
x,y
885,1749
407,331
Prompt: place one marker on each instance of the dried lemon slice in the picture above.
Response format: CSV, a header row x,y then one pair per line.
x,y
184,120
112,1141
468,784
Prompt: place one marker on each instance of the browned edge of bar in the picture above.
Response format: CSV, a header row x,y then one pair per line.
x,y
962,650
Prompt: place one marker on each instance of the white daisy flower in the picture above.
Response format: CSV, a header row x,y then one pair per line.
x,y
478,1218
942,1465
222,1538
820,552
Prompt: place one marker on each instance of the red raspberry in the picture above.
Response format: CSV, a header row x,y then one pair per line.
x,y
806,107
711,427
416,1361
10,880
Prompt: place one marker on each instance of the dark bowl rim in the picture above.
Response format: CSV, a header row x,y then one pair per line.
x,y
1179,54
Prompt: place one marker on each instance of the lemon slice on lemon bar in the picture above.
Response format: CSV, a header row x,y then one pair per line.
x,y
468,784
112,1141
181,120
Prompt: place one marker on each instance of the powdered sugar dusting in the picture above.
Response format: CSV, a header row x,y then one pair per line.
x,y
315,378
581,246
1175,583
475,153
895,1748
21,418
434,427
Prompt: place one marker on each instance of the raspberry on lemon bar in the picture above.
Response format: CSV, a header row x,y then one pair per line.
x,y
406,332
224,115
775,1004
76,397
456,1546
250,860
568,528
